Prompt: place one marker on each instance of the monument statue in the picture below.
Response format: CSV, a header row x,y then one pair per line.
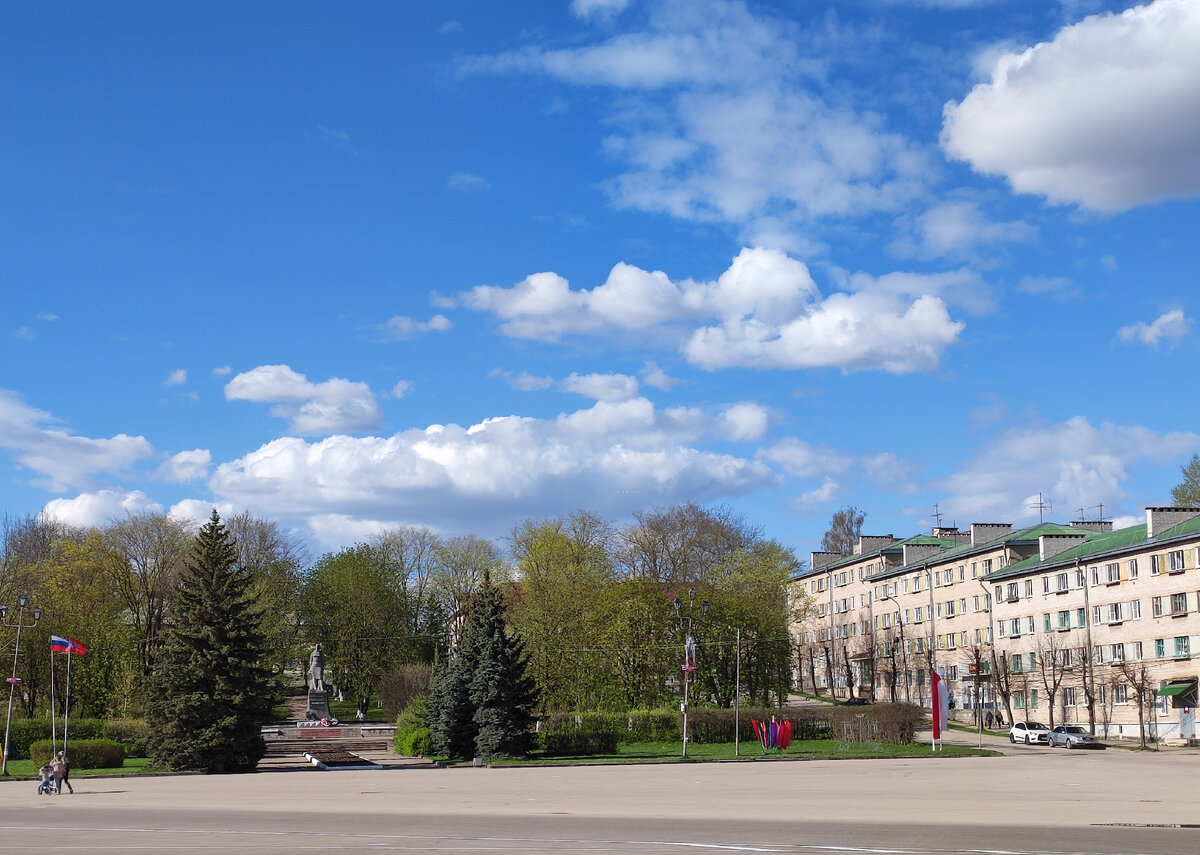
x,y
316,668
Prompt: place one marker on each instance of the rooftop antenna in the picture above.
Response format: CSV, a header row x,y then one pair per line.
x,y
1041,506
937,517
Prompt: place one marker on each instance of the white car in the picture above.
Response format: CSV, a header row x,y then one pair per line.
x,y
1029,732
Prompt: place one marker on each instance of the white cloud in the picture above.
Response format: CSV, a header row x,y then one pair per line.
x,y
99,508
311,408
959,230
720,114
803,460
657,378
523,381
402,326
185,466
598,8
769,314
1073,464
199,511
176,378
744,421
1104,115
1055,287
601,387
222,371
64,460
465,182
449,476
1171,327
401,388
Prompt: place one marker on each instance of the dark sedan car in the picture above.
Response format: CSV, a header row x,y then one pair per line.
x,y
1074,736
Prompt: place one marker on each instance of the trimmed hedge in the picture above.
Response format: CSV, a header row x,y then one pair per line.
x,y
568,735
83,754
131,733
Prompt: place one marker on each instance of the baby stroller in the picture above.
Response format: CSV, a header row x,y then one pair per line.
x,y
46,781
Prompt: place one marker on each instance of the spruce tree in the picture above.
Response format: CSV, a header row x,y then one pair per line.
x,y
502,692
482,701
210,692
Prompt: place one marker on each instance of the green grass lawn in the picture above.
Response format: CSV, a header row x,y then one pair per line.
x,y
132,766
815,749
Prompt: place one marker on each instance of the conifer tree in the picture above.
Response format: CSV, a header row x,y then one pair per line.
x,y
210,692
482,701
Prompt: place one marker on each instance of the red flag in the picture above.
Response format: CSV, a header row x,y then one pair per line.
x,y
940,701
59,644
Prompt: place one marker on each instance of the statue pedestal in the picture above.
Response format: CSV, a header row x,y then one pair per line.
x,y
318,704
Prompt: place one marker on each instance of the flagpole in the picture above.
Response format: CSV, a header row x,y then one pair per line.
x,y
67,711
53,709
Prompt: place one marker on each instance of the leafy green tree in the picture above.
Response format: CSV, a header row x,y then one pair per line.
x,y
563,568
274,558
350,608
1186,494
210,692
638,644
844,531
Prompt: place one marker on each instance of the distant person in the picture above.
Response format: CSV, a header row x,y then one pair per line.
x,y
66,772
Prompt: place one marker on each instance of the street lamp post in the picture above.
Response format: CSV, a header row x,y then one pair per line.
x,y
22,601
689,653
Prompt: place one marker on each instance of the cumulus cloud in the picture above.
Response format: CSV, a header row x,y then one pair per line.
x,y
185,466
61,459
598,8
495,469
1171,327
959,230
601,387
768,313
1055,287
804,460
744,421
1103,115
657,378
176,378
401,388
1074,464
720,113
100,508
199,511
310,408
402,326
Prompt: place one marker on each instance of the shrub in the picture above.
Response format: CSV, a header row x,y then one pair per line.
x,y
413,737
133,733
574,735
83,754
403,686
24,732
661,725
895,724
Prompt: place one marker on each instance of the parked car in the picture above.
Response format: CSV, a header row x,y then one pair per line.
x,y
856,702
1074,736
1029,732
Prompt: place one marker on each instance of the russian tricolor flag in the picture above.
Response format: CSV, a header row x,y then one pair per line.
x,y
67,645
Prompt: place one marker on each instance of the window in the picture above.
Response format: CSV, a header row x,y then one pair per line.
x,y
1017,661
1136,653
1175,561
1155,564
1156,606
1095,571
1096,615
1114,613
987,566
1178,605
975,603
1029,587
962,574
1101,695
999,593
1080,618
1098,655
1046,622
1064,621
952,643
1133,569
1135,609
1160,648
1183,647
1121,694
1112,572
1045,584
1029,624
1032,661
1116,653
1061,583
1033,699
1018,700
1079,578
1067,657
1068,696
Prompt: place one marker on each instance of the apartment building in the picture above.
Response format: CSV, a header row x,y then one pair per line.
x,y
1079,619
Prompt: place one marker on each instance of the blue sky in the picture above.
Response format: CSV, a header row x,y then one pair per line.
x,y
458,264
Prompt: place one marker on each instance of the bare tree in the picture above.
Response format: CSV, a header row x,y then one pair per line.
x,y
1002,676
844,531
1138,678
1051,665
146,553
684,544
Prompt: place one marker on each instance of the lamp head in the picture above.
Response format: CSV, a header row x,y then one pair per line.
x,y
3,612
37,614
691,595
678,605
703,607
22,599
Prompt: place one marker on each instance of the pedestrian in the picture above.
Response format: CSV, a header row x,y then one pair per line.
x,y
989,719
62,772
